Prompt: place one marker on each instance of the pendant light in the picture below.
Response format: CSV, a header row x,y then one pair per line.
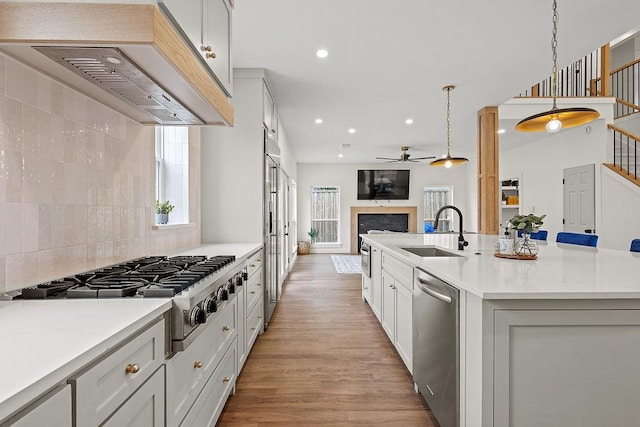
x,y
556,118
449,161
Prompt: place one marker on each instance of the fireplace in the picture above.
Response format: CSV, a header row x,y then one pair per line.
x,y
390,218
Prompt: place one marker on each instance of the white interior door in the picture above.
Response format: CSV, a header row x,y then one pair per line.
x,y
579,199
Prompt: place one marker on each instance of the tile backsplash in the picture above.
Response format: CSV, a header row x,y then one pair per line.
x,y
77,182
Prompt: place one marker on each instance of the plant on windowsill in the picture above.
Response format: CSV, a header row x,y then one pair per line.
x,y
162,211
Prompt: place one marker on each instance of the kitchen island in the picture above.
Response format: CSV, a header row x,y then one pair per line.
x,y
553,341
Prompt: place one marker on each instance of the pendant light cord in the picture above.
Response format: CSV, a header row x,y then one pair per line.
x,y
448,88
554,49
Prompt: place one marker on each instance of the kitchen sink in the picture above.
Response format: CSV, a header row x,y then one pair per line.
x,y
429,251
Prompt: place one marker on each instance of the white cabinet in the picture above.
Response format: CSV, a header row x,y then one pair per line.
x,y
207,25
102,388
268,109
510,200
54,407
253,322
189,370
367,290
376,281
397,306
145,407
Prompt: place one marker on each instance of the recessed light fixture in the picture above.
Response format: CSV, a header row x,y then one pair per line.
x,y
318,121
321,53
351,130
409,121
501,131
340,155
113,60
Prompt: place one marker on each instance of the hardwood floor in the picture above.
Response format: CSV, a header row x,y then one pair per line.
x,y
324,360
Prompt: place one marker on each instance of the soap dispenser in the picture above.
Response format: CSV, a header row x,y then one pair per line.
x,y
506,243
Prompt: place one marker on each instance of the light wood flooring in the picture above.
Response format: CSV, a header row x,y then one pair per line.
x,y
324,360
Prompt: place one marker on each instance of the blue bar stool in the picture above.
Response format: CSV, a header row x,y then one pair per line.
x,y
577,239
635,245
540,235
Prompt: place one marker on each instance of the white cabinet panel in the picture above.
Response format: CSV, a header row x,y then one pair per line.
x,y
55,408
217,35
144,408
376,281
388,305
404,324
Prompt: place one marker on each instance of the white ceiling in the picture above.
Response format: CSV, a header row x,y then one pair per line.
x,y
389,59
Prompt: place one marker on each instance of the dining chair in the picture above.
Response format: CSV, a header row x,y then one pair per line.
x,y
539,235
635,245
577,239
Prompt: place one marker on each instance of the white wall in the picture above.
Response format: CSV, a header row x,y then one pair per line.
x,y
541,165
346,176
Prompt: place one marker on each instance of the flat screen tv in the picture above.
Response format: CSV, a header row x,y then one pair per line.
x,y
385,184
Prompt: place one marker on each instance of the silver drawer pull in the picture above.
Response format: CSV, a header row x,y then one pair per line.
x,y
197,365
132,368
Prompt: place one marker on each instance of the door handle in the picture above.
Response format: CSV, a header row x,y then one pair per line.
x,y
589,231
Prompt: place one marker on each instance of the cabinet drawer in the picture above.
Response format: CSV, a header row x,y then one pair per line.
x,y
105,386
254,291
189,370
255,323
399,270
145,407
207,409
254,263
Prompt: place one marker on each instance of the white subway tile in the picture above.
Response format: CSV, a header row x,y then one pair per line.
x,y
45,227
13,79
31,228
14,271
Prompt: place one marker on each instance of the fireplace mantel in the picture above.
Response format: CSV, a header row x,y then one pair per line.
x,y
412,211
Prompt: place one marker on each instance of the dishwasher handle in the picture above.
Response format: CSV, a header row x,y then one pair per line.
x,y
424,286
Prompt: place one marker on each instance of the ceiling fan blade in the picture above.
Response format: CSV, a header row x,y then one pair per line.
x,y
423,158
386,158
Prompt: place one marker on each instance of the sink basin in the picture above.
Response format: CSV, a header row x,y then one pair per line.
x,y
429,251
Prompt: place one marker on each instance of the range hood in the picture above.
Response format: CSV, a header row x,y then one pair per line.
x,y
126,56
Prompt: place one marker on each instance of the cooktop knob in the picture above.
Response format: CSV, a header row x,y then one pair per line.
x,y
231,287
210,305
239,280
224,295
197,316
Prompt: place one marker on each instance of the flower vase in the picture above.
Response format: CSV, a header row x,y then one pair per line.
x,y
526,246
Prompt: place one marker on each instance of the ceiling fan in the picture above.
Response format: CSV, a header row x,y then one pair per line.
x,y
404,157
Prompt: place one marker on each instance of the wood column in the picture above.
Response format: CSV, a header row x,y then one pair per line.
x,y
488,171
605,70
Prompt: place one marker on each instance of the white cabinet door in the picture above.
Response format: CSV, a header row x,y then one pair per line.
x,y
376,281
404,324
217,35
389,305
188,15
367,290
267,109
55,408
241,322
144,408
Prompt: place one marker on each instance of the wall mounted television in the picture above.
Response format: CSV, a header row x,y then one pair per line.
x,y
385,184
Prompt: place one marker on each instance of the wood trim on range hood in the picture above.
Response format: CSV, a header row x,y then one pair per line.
x,y
140,31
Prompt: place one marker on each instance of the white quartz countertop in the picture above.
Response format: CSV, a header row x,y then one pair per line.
x,y
561,271
45,341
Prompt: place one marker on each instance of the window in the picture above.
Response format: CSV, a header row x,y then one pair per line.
x,y
434,199
172,170
325,213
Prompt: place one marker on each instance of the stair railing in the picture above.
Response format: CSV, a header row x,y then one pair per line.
x,y
624,86
625,152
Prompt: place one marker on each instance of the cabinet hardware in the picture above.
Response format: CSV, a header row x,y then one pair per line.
x,y
253,265
258,284
253,292
253,329
226,379
197,365
207,48
210,55
225,328
259,316
132,368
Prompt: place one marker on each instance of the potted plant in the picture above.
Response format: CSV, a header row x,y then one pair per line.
x,y
304,246
162,211
527,224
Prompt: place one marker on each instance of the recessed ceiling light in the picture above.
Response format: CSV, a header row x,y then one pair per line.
x,y
113,60
318,121
321,53
351,130
501,131
409,121
346,145
340,155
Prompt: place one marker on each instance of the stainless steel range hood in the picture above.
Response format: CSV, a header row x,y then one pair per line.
x,y
126,56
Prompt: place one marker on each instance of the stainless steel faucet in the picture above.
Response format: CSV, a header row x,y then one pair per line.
x,y
461,242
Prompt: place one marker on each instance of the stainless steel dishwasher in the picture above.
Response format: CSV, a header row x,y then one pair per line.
x,y
436,348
